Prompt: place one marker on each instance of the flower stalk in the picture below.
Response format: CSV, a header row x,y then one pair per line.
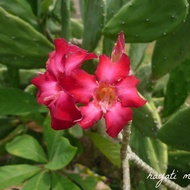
x,y
124,156
65,16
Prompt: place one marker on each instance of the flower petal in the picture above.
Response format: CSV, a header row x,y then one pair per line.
x,y
61,47
74,61
90,115
64,108
127,92
81,85
116,118
54,64
47,88
119,48
59,124
110,72
90,56
74,48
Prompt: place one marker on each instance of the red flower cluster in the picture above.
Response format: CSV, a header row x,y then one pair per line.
x,y
109,93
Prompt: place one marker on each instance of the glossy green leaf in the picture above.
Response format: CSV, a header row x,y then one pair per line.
x,y
112,7
41,181
94,18
136,54
171,50
110,149
59,182
21,45
160,86
143,74
141,21
108,45
22,9
146,119
179,162
16,102
28,147
16,174
178,87
151,151
175,132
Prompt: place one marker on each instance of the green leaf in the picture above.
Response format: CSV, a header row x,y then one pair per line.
x,y
146,119
142,21
21,9
110,149
21,45
171,50
63,153
180,160
112,7
143,74
76,131
41,181
28,147
52,137
175,132
60,151
93,23
16,102
136,54
86,183
16,174
151,151
45,4
177,88
60,182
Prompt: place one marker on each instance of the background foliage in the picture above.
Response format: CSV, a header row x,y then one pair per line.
x,y
32,155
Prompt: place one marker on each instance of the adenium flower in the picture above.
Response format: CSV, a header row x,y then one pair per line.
x,y
110,93
65,59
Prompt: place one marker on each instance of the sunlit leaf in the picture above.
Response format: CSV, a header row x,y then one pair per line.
x,y
28,147
16,174
110,149
59,182
41,181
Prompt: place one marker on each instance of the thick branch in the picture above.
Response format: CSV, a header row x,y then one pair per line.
x,y
124,157
145,167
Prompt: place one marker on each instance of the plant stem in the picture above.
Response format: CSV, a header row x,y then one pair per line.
x,y
124,157
65,15
145,167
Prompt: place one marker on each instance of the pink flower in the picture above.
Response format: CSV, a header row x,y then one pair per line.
x,y
65,59
110,93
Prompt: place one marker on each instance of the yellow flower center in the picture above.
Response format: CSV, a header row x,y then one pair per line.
x,y
105,95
